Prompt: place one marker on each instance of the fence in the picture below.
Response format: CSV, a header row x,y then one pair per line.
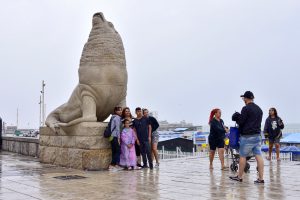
x,y
179,154
163,154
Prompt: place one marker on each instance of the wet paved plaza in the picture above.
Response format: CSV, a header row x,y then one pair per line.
x,y
25,178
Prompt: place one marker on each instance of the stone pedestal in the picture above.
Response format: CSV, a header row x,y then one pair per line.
x,y
81,146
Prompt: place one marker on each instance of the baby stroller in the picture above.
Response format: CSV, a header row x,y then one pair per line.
x,y
234,150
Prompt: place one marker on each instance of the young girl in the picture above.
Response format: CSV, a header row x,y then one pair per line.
x,y
128,156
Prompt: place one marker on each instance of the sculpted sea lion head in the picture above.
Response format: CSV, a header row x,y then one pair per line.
x,y
104,46
100,21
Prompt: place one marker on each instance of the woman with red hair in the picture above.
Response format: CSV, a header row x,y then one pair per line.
x,y
216,137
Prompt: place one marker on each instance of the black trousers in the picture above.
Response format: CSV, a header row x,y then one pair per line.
x,y
146,153
116,151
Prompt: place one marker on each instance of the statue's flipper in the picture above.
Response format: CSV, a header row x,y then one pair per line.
x,y
88,112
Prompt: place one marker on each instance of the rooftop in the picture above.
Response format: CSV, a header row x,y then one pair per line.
x,y
25,178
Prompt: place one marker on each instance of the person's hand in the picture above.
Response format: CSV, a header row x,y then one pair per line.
x,y
149,140
226,129
119,141
129,145
138,142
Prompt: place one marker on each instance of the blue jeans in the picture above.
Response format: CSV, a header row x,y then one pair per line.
x,y
250,145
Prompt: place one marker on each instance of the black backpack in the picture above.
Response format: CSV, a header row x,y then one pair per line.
x,y
108,131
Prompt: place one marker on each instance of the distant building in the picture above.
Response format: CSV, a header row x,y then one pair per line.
x,y
166,126
10,129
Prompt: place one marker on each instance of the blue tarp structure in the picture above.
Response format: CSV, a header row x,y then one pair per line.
x,y
291,139
287,149
290,149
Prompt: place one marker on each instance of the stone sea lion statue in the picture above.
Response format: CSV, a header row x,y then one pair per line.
x,y
102,79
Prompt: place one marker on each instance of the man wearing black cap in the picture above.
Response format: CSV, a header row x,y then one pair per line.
x,y
249,121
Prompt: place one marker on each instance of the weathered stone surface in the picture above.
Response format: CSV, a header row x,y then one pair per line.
x,y
55,141
102,79
62,157
44,140
85,129
88,142
20,145
24,148
84,148
4,145
68,141
48,154
33,149
11,146
75,158
96,159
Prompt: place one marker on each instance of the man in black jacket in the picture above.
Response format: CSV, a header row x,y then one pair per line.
x,y
249,122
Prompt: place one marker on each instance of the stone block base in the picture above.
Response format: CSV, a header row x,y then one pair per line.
x,y
81,146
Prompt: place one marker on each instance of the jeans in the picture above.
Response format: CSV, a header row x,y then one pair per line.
x,y
116,151
250,145
146,153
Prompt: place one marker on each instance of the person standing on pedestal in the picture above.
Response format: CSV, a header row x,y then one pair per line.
x,y
116,134
249,121
142,128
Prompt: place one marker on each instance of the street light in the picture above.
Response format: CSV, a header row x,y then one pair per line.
x,y
42,104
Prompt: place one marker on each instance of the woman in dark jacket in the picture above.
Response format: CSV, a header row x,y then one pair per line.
x,y
272,130
216,137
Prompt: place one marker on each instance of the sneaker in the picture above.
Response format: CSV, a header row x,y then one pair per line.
x,y
236,178
139,165
157,165
137,168
259,181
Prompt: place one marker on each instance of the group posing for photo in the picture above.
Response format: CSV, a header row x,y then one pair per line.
x,y
133,140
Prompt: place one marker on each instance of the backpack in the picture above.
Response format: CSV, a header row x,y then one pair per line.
x,y
108,131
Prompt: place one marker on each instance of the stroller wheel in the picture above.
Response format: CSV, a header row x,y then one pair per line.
x,y
247,168
233,167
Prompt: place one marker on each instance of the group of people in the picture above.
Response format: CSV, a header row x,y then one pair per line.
x,y
133,138
249,124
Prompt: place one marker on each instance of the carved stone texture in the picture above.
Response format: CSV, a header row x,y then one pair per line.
x,y
102,79
84,147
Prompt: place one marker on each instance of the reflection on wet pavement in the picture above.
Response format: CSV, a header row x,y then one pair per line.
x,y
25,178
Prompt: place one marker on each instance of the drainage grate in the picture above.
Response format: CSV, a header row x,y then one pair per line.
x,y
69,177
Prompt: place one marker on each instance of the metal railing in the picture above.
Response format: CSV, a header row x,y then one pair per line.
x,y
163,154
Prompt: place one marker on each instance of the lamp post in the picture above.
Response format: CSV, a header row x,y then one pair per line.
x,y
43,103
40,117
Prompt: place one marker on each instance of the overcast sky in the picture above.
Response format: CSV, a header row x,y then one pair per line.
x,y
183,57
